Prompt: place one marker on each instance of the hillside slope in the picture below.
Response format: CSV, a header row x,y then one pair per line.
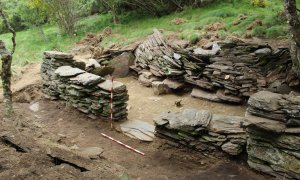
x,y
219,19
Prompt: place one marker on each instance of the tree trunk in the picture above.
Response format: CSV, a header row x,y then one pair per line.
x,y
294,28
6,79
6,57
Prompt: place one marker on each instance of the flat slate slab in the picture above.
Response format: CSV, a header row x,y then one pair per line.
x,y
68,71
86,79
58,55
201,94
265,124
138,130
226,124
189,118
118,87
265,100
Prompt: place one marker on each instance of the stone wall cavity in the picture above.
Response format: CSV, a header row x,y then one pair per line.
x,y
89,93
273,144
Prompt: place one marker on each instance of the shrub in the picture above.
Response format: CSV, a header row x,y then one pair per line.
x,y
259,3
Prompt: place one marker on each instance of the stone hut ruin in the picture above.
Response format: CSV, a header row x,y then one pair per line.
x,y
229,71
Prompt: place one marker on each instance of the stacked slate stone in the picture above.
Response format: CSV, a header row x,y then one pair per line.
x,y
202,130
273,144
157,56
87,92
120,98
233,71
51,61
228,71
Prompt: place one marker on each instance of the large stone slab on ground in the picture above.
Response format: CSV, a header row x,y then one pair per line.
x,y
202,94
138,129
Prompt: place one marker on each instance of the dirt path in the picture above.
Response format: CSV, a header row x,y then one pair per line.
x,y
30,77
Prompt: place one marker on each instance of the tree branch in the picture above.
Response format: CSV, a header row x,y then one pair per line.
x,y
8,26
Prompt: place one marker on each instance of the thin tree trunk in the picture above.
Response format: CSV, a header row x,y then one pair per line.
x,y
6,79
6,57
294,28
114,14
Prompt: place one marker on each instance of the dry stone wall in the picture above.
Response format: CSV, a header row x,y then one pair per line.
x,y
89,93
227,71
202,130
273,144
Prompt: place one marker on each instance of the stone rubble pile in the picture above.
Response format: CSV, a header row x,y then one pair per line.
x,y
273,145
157,55
220,71
203,131
87,92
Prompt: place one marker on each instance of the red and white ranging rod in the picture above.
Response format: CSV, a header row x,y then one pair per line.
x,y
122,144
111,122
111,102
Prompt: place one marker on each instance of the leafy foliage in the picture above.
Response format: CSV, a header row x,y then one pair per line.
x,y
25,14
259,3
33,13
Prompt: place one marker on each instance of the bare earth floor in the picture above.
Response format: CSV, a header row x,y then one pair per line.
x,y
144,105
